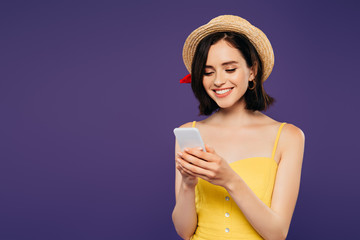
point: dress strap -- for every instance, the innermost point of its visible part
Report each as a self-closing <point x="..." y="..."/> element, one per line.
<point x="193" y="124"/>
<point x="277" y="140"/>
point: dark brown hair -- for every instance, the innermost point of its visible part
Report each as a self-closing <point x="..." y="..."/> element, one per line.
<point x="256" y="99"/>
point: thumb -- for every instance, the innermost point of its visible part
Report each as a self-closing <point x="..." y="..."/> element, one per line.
<point x="209" y="149"/>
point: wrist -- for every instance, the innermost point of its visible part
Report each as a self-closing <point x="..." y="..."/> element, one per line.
<point x="232" y="183"/>
<point x="188" y="187"/>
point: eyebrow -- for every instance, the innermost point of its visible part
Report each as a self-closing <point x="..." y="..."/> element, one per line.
<point x="223" y="64"/>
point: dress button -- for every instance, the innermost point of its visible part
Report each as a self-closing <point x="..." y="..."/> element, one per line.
<point x="227" y="229"/>
<point x="227" y="198"/>
<point x="227" y="214"/>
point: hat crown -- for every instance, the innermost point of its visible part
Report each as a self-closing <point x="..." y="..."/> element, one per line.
<point x="229" y="19"/>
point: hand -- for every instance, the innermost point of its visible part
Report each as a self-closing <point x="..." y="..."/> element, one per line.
<point x="187" y="177"/>
<point x="206" y="165"/>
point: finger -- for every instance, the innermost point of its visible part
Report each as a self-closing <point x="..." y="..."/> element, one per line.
<point x="183" y="169"/>
<point x="196" y="161"/>
<point x="204" y="177"/>
<point x="187" y="172"/>
<point x="209" y="148"/>
<point x="179" y="168"/>
<point x="196" y="169"/>
<point x="206" y="156"/>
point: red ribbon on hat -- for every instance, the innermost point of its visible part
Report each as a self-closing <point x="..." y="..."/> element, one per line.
<point x="186" y="79"/>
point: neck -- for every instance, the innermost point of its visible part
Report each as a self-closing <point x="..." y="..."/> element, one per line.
<point x="235" y="116"/>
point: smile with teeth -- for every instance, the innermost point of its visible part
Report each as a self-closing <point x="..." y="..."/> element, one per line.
<point x="223" y="91"/>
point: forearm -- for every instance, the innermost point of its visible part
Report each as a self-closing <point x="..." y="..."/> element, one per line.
<point x="263" y="219"/>
<point x="184" y="214"/>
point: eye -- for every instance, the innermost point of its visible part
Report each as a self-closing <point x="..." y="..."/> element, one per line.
<point x="230" y="70"/>
<point x="208" y="73"/>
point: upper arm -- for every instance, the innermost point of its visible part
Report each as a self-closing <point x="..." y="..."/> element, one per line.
<point x="178" y="177"/>
<point x="288" y="175"/>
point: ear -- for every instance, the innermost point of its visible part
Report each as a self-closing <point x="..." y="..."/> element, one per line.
<point x="253" y="71"/>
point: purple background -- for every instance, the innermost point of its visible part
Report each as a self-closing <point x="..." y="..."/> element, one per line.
<point x="90" y="95"/>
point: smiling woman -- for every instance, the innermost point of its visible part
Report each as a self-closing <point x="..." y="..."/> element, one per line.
<point x="245" y="185"/>
<point x="238" y="56"/>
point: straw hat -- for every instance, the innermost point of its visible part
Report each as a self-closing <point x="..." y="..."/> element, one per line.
<point x="232" y="23"/>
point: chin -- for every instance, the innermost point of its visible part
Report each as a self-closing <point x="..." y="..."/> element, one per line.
<point x="230" y="103"/>
<point x="224" y="105"/>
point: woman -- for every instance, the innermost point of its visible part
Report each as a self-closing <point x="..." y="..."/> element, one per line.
<point x="246" y="184"/>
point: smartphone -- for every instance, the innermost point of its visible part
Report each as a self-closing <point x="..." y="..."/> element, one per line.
<point x="189" y="138"/>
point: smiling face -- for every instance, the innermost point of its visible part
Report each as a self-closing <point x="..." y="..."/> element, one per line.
<point x="227" y="75"/>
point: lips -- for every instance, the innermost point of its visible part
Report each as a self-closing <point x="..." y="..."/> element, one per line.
<point x="223" y="94"/>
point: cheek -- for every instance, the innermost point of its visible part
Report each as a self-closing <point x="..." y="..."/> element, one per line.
<point x="239" y="78"/>
<point x="206" y="83"/>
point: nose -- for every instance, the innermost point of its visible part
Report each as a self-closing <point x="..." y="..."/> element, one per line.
<point x="219" y="80"/>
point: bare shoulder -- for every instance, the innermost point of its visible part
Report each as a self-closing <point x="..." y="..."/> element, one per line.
<point x="293" y="133"/>
<point x="292" y="142"/>
<point x="186" y="125"/>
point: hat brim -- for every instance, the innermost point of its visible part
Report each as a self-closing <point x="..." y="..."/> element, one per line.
<point x="232" y="23"/>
